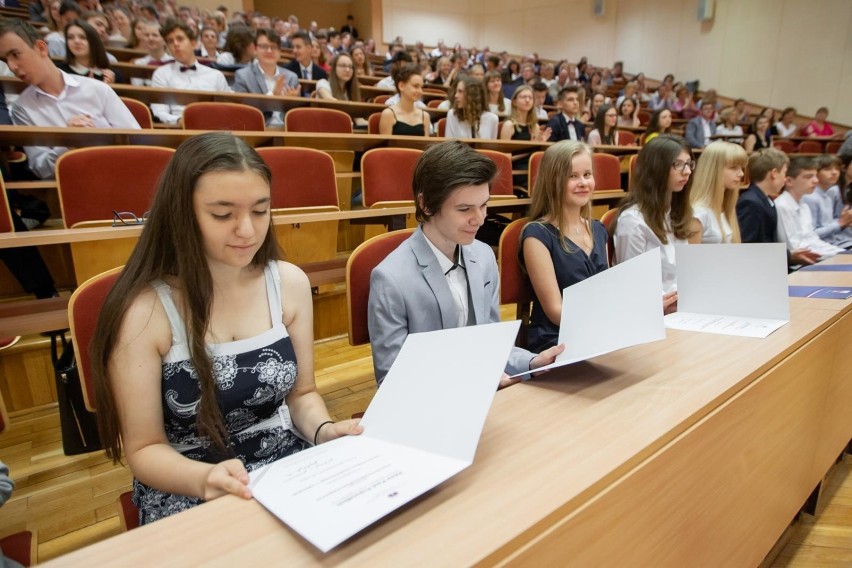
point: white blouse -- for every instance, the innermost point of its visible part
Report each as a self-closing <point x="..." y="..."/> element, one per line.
<point x="633" y="237"/>
<point x="711" y="232"/>
<point x="457" y="129"/>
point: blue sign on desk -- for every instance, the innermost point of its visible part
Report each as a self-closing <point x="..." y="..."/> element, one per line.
<point x="826" y="292"/>
<point x="828" y="268"/>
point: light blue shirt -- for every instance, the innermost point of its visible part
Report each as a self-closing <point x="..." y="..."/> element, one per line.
<point x="826" y="206"/>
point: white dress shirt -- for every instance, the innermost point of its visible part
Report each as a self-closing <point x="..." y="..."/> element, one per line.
<point x="457" y="280"/>
<point x="386" y="83"/>
<point x="826" y="206"/>
<point x="507" y="105"/>
<point x="633" y="237"/>
<point x="795" y="227"/>
<point x="169" y="76"/>
<point x="785" y="131"/>
<point x="81" y="95"/>
<point x="457" y="129"/>
<point x="139" y="81"/>
<point x="711" y="232"/>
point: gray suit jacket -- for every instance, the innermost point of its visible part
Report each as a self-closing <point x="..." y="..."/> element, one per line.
<point x="695" y="132"/>
<point x="409" y="293"/>
<point x="250" y="79"/>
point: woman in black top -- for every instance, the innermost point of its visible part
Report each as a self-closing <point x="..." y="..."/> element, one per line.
<point x="404" y="118"/>
<point x="759" y="137"/>
<point x="85" y="54"/>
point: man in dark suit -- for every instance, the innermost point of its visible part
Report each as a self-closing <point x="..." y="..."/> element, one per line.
<point x="302" y="64"/>
<point x="756" y="214"/>
<point x="263" y="76"/>
<point x="702" y="127"/>
<point x="567" y="125"/>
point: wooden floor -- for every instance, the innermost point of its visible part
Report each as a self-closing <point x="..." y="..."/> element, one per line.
<point x="71" y="501"/>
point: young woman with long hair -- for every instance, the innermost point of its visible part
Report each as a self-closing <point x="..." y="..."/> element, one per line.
<point x="206" y="338"/>
<point x="628" y="112"/>
<point x="716" y="186"/>
<point x="660" y="123"/>
<point x="404" y="118"/>
<point x="342" y="84"/>
<point x="562" y="244"/>
<point x="606" y="127"/>
<point x="497" y="103"/>
<point x="469" y="117"/>
<point x="759" y="137"/>
<point x="85" y="54"/>
<point x="363" y="67"/>
<point x="523" y="124"/>
<point x="656" y="212"/>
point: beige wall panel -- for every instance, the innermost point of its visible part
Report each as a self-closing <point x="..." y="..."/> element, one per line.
<point x="326" y="14"/>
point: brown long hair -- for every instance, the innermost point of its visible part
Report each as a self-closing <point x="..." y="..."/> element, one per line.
<point x="548" y="192"/>
<point x="171" y="246"/>
<point x="344" y="91"/>
<point x="650" y="192"/>
<point x="474" y="102"/>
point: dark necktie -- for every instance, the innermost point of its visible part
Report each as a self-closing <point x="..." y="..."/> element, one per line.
<point x="189" y="68"/>
<point x="305" y="74"/>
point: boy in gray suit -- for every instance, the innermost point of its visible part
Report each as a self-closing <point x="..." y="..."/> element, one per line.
<point x="265" y="77"/>
<point x="442" y="277"/>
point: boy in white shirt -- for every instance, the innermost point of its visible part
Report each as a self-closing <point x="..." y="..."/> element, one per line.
<point x="155" y="45"/>
<point x="832" y="219"/>
<point x="185" y="72"/>
<point x="795" y="225"/>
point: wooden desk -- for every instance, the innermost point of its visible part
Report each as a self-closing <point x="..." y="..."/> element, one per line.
<point x="150" y="95"/>
<point x="172" y="138"/>
<point x="693" y="451"/>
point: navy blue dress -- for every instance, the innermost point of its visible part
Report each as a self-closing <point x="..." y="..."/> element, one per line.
<point x="571" y="267"/>
<point x="253" y="376"/>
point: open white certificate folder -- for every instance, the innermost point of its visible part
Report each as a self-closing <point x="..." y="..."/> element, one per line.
<point x="617" y="308"/>
<point x="731" y="289"/>
<point x="421" y="428"/>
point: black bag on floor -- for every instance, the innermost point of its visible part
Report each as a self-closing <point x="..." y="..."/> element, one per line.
<point x="79" y="426"/>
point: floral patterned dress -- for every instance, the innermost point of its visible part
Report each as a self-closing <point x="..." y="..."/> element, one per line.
<point x="253" y="376"/>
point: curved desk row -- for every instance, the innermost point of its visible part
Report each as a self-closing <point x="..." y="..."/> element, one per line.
<point x="694" y="451"/>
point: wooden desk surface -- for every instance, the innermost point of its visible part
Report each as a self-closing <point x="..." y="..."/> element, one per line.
<point x="664" y="454"/>
<point x="150" y="95"/>
<point x="172" y="138"/>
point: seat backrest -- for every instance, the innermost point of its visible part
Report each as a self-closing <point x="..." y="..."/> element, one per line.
<point x="373" y="123"/>
<point x="833" y="147"/>
<point x="631" y="171"/>
<point x="6" y="225"/>
<point x="503" y="182"/>
<point x="644" y="117"/>
<point x="223" y="116"/>
<point x="360" y="265"/>
<point x="608" y="219"/>
<point x="317" y="120"/>
<point x="301" y="177"/>
<point x="626" y="138"/>
<point x="784" y="145"/>
<point x="387" y="174"/>
<point x="442" y="127"/>
<point x="535" y="163"/>
<point x="434" y="103"/>
<point x="514" y="284"/>
<point x="94" y="182"/>
<point x="380" y="99"/>
<point x="607" y="171"/>
<point x="810" y="147"/>
<point x="140" y="112"/>
<point x="84" y="307"/>
<point x="20" y="547"/>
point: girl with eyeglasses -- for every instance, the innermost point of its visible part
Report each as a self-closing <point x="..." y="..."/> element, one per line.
<point x="656" y="212"/>
<point x="606" y="127"/>
<point x="202" y="359"/>
<point x="342" y="85"/>
<point x="715" y="188"/>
